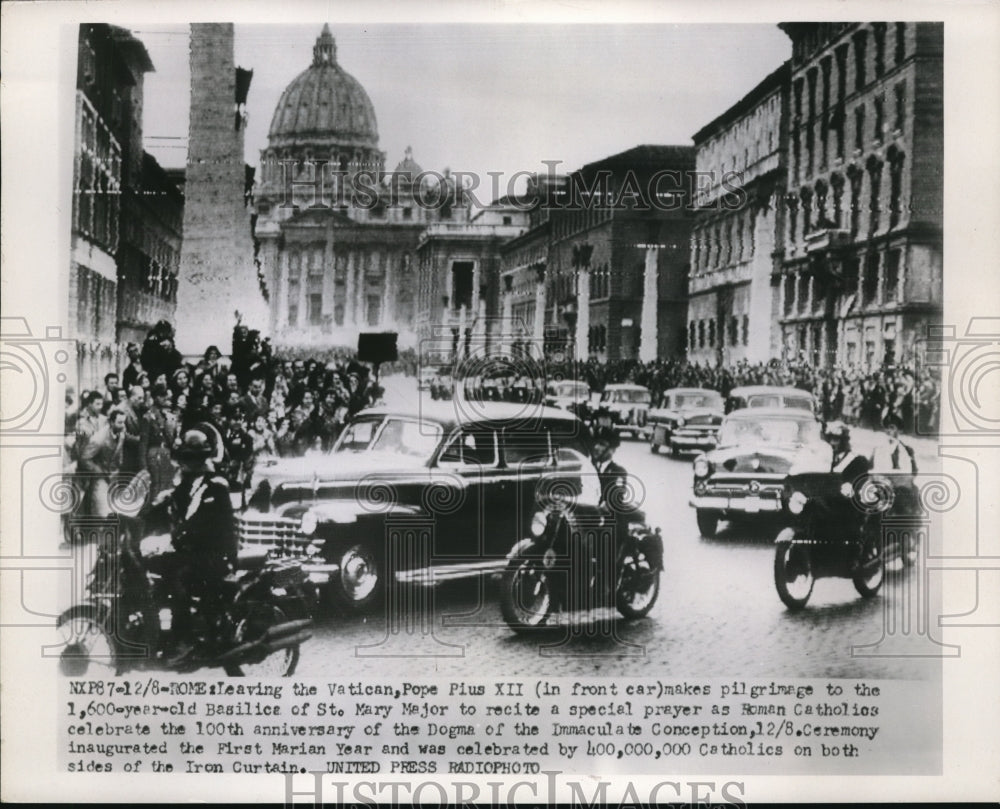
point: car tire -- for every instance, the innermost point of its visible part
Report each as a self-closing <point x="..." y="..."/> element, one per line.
<point x="708" y="522"/>
<point x="359" y="584"/>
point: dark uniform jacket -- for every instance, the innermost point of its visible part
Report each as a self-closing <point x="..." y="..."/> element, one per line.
<point x="614" y="477"/>
<point x="203" y="522"/>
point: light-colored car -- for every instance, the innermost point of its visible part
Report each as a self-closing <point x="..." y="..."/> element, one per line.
<point x="688" y="419"/>
<point x="770" y="396"/>
<point x="625" y="408"/>
<point x="757" y="449"/>
<point x="567" y="394"/>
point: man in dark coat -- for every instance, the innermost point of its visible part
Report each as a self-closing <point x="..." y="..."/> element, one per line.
<point x="203" y="536"/>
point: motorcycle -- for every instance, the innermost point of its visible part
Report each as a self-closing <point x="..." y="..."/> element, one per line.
<point x="836" y="531"/>
<point x="264" y="613"/>
<point x="569" y="563"/>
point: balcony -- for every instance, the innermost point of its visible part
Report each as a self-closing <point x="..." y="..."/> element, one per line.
<point x="826" y="239"/>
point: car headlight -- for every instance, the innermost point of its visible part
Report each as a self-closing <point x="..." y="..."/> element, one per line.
<point x="538" y="523"/>
<point x="309" y="523"/>
<point x="680" y="421"/>
<point x="701" y="467"/>
<point x="847" y="489"/>
<point x="797" y="502"/>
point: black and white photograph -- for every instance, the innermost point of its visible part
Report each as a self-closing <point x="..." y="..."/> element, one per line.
<point x="499" y="406"/>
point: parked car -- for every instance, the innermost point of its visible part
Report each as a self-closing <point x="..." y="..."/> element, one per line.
<point x="434" y="492"/>
<point x="688" y="419"/>
<point x="770" y="396"/>
<point x="757" y="449"/>
<point x="624" y="408"/>
<point x="568" y="394"/>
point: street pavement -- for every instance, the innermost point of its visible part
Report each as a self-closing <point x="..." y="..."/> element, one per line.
<point x="717" y="613"/>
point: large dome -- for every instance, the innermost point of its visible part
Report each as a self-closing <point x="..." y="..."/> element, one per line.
<point x="324" y="105"/>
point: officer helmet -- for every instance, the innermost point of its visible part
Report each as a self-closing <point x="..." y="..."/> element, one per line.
<point x="195" y="446"/>
<point x="607" y="435"/>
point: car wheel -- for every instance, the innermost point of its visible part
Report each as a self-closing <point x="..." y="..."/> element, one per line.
<point x="708" y="523"/>
<point x="870" y="572"/>
<point x="793" y="573"/>
<point x="360" y="582"/>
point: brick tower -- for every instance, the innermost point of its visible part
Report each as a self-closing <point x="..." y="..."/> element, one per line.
<point x="217" y="275"/>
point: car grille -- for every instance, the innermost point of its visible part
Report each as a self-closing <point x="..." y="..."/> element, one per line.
<point x="279" y="534"/>
<point x="742" y="488"/>
<point x="701" y="421"/>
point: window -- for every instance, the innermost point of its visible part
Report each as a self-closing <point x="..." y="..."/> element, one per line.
<point x="315" y="309"/>
<point x="895" y="187"/>
<point x="789" y="294"/>
<point x="711" y="332"/>
<point x="799" y="84"/>
<point x="900" y="115"/>
<point x="841" y="55"/>
<point x="859" y="128"/>
<point x="879" y="117"/>
<point x="746" y="329"/>
<point x="374" y="310"/>
<point x="734" y="330"/>
<point x="692" y="335"/>
<point x="701" y="334"/>
<point x="507" y="220"/>
<point x="293" y="314"/>
<point x="878" y="34"/>
<point x="869" y="289"/>
<point x="859" y="60"/>
<point x="407" y="213"/>
<point x="471" y="447"/>
<point x="892" y="276"/>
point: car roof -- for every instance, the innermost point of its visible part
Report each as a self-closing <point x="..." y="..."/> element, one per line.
<point x="452" y="413"/>
<point x="624" y="386"/>
<point x="772" y="412"/>
<point x="691" y="390"/>
<point x="749" y="390"/>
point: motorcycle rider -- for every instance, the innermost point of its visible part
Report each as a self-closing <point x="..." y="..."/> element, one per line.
<point x="203" y="536"/>
<point x="848" y="463"/>
<point x="615" y="497"/>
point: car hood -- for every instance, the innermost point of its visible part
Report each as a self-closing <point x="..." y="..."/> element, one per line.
<point x="775" y="459"/>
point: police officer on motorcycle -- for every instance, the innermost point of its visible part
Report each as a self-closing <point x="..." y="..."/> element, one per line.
<point x="203" y="536"/>
<point x="848" y="463"/>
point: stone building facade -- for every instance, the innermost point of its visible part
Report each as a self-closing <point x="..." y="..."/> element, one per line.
<point x="219" y="282"/>
<point x="337" y="235"/>
<point x="736" y="235"/>
<point x="458" y="279"/>
<point x="617" y="263"/>
<point x="126" y="221"/>
<point x="862" y="275"/>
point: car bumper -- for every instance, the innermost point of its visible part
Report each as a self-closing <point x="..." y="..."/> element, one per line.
<point x="745" y="505"/>
<point x="692" y="441"/>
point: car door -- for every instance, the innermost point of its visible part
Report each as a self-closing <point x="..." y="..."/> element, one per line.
<point x="465" y="495"/>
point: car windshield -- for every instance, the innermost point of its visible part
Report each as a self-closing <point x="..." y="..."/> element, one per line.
<point x="628" y="396"/>
<point x="768" y="431"/>
<point x="406" y="437"/>
<point x="569" y="389"/>
<point x="696" y="400"/>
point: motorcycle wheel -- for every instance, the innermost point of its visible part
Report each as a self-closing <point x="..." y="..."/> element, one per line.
<point x="359" y="583"/>
<point x="525" y="595"/>
<point x="793" y="574"/>
<point x="257" y="619"/>
<point x="635" y="601"/>
<point x="870" y="572"/>
<point x="88" y="644"/>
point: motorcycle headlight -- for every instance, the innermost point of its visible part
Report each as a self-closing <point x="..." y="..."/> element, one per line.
<point x="847" y="489"/>
<point x="797" y="502"/>
<point x="701" y="467"/>
<point x="538" y="523"/>
<point x="309" y="523"/>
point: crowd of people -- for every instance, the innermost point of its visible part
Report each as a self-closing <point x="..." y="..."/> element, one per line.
<point x="859" y="397"/>
<point x="257" y="402"/>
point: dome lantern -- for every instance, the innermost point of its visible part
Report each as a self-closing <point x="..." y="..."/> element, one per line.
<point x="325" y="49"/>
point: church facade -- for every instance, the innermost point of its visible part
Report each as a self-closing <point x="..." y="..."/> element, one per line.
<point x="336" y="235"/>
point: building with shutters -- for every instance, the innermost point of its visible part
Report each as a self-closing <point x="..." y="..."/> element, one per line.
<point x="861" y="275"/>
<point x="126" y="222"/>
<point x="735" y="242"/>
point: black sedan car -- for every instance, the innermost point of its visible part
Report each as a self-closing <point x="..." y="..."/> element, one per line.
<point x="441" y="491"/>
